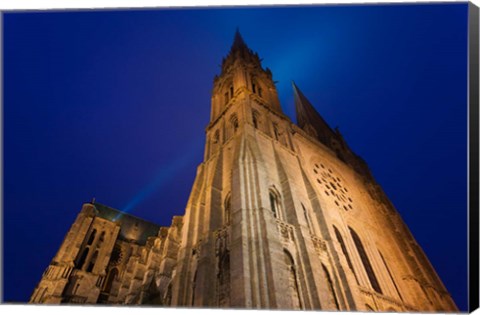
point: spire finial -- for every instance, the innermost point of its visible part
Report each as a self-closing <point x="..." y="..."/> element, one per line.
<point x="238" y="41"/>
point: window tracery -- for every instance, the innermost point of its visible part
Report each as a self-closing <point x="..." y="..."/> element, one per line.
<point x="333" y="187"/>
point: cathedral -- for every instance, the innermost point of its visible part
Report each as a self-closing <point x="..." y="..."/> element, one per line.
<point x="280" y="216"/>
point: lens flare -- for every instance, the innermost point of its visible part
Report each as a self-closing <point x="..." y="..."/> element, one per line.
<point x="163" y="175"/>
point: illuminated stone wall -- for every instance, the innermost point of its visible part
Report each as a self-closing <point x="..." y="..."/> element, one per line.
<point x="280" y="216"/>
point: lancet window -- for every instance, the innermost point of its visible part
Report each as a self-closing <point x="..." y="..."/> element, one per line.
<point x="255" y="118"/>
<point x="365" y="261"/>
<point x="91" y="237"/>
<point x="274" y="203"/>
<point x="344" y="250"/>
<point x="234" y="122"/>
<point x="82" y="259"/>
<point x="275" y="131"/>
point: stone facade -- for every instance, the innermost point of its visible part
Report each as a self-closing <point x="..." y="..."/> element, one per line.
<point x="281" y="216"/>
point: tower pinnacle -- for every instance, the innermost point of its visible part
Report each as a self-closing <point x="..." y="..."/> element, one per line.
<point x="240" y="50"/>
<point x="238" y="42"/>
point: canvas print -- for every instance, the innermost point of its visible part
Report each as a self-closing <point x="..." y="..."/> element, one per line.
<point x="292" y="158"/>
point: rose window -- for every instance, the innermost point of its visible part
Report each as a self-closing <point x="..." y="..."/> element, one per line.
<point x="333" y="187"/>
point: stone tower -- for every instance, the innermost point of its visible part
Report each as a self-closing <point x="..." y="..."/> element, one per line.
<point x="280" y="216"/>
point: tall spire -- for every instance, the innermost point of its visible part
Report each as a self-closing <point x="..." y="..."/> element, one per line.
<point x="240" y="50"/>
<point x="309" y="119"/>
<point x="238" y="42"/>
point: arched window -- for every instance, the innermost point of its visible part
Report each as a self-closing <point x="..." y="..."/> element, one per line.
<point x="227" y="209"/>
<point x="112" y="274"/>
<point x="345" y="252"/>
<point x="274" y="203"/>
<point x="82" y="259"/>
<point x="234" y="122"/>
<point x="216" y="136"/>
<point x="223" y="280"/>
<point x="365" y="261"/>
<point x="92" y="261"/>
<point x="231" y="91"/>
<point x="256" y="89"/>
<point x="255" y="118"/>
<point x="275" y="131"/>
<point x="330" y="286"/>
<point x="292" y="281"/>
<point x="92" y="237"/>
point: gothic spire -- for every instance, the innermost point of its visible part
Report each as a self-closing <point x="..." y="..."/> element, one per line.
<point x="309" y="119"/>
<point x="238" y="42"/>
<point x="240" y="50"/>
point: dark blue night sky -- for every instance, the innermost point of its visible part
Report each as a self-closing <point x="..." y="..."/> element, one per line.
<point x="114" y="104"/>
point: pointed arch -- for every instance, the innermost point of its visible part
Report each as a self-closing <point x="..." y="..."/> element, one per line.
<point x="255" y="118"/>
<point x="276" y="132"/>
<point x="365" y="261"/>
<point x="234" y="122"/>
<point x="275" y="204"/>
